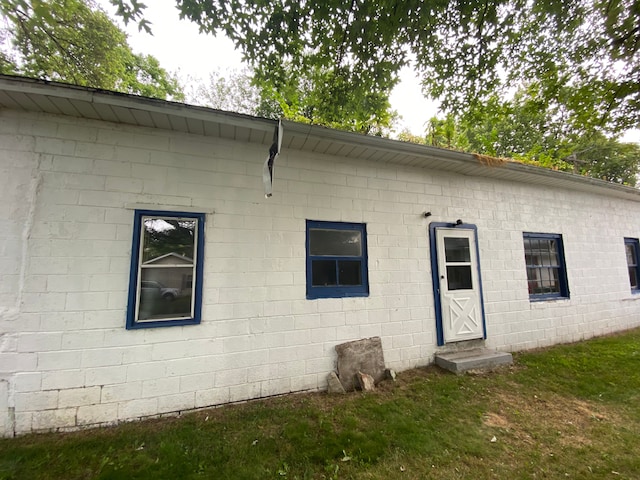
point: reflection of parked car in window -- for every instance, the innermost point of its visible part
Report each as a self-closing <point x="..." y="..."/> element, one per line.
<point x="151" y="289"/>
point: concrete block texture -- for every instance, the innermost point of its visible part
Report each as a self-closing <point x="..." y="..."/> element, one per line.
<point x="66" y="223"/>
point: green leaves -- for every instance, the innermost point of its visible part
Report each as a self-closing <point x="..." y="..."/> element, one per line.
<point x="533" y="130"/>
<point x="73" y="41"/>
<point x="467" y="52"/>
<point x="132" y="11"/>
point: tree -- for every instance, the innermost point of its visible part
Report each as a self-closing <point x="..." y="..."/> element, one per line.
<point x="466" y="51"/>
<point x="607" y="159"/>
<point x="527" y="129"/>
<point x="406" y="136"/>
<point x="442" y="132"/>
<point x="73" y="41"/>
<point x="298" y="96"/>
<point x="315" y="94"/>
<point x="233" y="92"/>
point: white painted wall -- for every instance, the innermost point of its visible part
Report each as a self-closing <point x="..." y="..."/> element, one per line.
<point x="66" y="360"/>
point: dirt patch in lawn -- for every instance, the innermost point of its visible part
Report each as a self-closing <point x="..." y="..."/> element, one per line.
<point x="538" y="419"/>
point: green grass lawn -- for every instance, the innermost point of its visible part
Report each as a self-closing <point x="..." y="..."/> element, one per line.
<point x="571" y="411"/>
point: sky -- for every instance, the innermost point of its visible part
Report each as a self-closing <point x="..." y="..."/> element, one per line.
<point x="181" y="49"/>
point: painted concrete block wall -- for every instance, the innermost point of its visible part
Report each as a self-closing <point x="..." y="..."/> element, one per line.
<point x="66" y="360"/>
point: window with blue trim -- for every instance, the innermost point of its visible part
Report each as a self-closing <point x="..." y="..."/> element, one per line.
<point x="546" y="268"/>
<point x="336" y="260"/>
<point x="632" y="248"/>
<point x="165" y="285"/>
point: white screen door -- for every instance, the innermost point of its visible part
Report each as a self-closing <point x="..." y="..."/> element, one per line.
<point x="460" y="294"/>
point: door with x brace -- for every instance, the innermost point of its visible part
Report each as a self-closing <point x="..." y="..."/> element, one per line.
<point x="459" y="284"/>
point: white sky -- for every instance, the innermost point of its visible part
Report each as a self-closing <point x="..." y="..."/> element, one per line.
<point x="181" y="49"/>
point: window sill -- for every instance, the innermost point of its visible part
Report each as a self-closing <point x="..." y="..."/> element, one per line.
<point x="335" y="294"/>
<point x="543" y="300"/>
<point x="162" y="323"/>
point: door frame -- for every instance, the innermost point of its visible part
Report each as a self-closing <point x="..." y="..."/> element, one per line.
<point x="435" y="275"/>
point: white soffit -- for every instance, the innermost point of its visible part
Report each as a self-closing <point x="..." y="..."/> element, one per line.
<point x="24" y="94"/>
<point x="18" y="93"/>
<point x="315" y="138"/>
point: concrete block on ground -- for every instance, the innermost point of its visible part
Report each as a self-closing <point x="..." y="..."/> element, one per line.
<point x="477" y="359"/>
<point x="334" y="385"/>
<point x="360" y="356"/>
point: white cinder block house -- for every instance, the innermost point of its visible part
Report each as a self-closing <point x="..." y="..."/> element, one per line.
<point x="143" y="271"/>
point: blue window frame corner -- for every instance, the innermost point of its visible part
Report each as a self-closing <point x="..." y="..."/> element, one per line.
<point x="336" y="260"/>
<point x="166" y="273"/>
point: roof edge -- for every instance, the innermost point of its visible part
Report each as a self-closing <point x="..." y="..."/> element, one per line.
<point x="28" y="85"/>
<point x="97" y="96"/>
<point x="397" y="146"/>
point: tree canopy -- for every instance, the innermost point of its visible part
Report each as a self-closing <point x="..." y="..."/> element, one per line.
<point x="526" y="129"/>
<point x="74" y="41"/>
<point x="301" y="98"/>
<point x="584" y="53"/>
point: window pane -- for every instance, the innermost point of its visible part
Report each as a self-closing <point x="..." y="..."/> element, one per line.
<point x="323" y="273"/>
<point x="337" y="243"/>
<point x="545" y="268"/>
<point x="529" y="259"/>
<point x="543" y="280"/>
<point x="533" y="280"/>
<point x="459" y="278"/>
<point x="633" y="277"/>
<point x="549" y="280"/>
<point x="350" y="273"/>
<point x="162" y="295"/>
<point x="457" y="249"/>
<point x="631" y="255"/>
<point x="168" y="241"/>
<point x="165" y="287"/>
<point x="549" y="258"/>
<point x="555" y="280"/>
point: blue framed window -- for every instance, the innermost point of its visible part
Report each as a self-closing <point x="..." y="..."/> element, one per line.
<point x="546" y="268"/>
<point x="165" y="283"/>
<point x="336" y="260"/>
<point x="632" y="248"/>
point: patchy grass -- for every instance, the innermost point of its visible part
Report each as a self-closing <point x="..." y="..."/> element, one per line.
<point x="571" y="411"/>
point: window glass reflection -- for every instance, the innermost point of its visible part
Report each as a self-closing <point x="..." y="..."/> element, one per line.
<point x="164" y="293"/>
<point x="324" y="273"/>
<point x="457" y="249"/>
<point x="168" y="238"/>
<point x="167" y="269"/>
<point x="338" y="243"/>
<point x="459" y="278"/>
<point x="631" y="255"/>
<point x="350" y="272"/>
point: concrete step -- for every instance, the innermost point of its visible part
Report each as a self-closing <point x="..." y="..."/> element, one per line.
<point x="477" y="359"/>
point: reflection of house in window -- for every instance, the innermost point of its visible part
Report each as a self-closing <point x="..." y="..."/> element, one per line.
<point x="174" y="271"/>
<point x="166" y="272"/>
